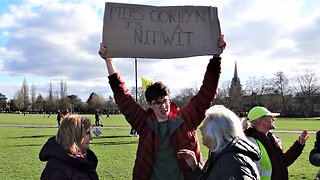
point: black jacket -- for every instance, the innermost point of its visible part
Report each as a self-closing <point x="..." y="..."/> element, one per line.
<point x="314" y="156"/>
<point x="61" y="165"/>
<point x="280" y="160"/>
<point x="235" y="161"/>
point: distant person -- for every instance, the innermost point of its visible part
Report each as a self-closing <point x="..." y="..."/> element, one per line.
<point x="274" y="161"/>
<point x="107" y="114"/>
<point x="314" y="156"/>
<point x="163" y="128"/>
<point x="59" y="117"/>
<point x="98" y="118"/>
<point x="231" y="154"/>
<point x="67" y="154"/>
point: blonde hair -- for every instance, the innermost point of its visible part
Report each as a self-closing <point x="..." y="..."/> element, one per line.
<point x="222" y="126"/>
<point x="71" y="132"/>
<point x="245" y="124"/>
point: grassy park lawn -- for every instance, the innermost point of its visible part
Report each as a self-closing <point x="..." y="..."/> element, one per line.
<point x="116" y="151"/>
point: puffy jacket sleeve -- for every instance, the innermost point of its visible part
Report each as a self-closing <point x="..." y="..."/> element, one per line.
<point x="133" y="112"/>
<point x="194" y="111"/>
<point x="314" y="157"/>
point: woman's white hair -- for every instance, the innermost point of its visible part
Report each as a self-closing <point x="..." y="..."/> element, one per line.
<point x="222" y="125"/>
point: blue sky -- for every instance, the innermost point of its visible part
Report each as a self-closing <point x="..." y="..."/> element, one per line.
<point x="45" y="41"/>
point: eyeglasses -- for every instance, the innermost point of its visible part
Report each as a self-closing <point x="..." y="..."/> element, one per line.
<point x="159" y="103"/>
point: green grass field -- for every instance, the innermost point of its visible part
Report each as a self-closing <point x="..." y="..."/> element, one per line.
<point x="116" y="151"/>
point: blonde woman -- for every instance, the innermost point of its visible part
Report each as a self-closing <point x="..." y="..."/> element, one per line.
<point x="67" y="154"/>
<point x="231" y="155"/>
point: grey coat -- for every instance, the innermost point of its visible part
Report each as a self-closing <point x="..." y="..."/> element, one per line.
<point x="235" y="161"/>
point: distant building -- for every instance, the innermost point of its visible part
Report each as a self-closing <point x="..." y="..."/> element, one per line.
<point x="235" y="93"/>
<point x="3" y="102"/>
<point x="297" y="105"/>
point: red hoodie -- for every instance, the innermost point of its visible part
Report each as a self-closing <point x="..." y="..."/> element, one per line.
<point x="182" y="123"/>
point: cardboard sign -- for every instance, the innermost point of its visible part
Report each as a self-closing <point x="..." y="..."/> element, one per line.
<point x="138" y="31"/>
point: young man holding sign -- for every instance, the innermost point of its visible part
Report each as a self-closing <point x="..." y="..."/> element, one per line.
<point x="163" y="128"/>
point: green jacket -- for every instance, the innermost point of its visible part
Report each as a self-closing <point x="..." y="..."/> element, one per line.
<point x="280" y="159"/>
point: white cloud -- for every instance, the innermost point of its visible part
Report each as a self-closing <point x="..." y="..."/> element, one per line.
<point x="50" y="40"/>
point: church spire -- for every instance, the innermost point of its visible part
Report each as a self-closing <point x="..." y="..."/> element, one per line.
<point x="235" y="93"/>
<point x="235" y="76"/>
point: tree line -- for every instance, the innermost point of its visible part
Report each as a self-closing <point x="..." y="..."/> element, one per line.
<point x="27" y="100"/>
<point x="298" y="96"/>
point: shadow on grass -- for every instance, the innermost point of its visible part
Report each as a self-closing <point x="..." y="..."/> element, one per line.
<point x="113" y="143"/>
<point x="30" y="137"/>
<point x="107" y="137"/>
<point x="27" y="145"/>
<point x="117" y="142"/>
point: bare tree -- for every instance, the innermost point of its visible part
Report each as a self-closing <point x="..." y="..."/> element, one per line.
<point x="140" y="97"/>
<point x="96" y="101"/>
<point x="185" y="95"/>
<point x="50" y="92"/>
<point x="281" y="87"/>
<point x="17" y="101"/>
<point x="21" y="98"/>
<point x="252" y="91"/>
<point x="33" y="96"/>
<point x="65" y="102"/>
<point x="25" y="94"/>
<point x="223" y="94"/>
<point x="52" y="101"/>
<point x="111" y="105"/>
<point x="75" y="102"/>
<point x="257" y="86"/>
<point x="63" y="89"/>
<point x="39" y="104"/>
<point x="306" y="86"/>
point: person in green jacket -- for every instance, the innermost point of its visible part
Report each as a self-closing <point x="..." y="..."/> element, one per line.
<point x="275" y="161"/>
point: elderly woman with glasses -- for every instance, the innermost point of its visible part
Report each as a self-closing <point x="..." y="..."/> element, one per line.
<point x="231" y="154"/>
<point x="67" y="154"/>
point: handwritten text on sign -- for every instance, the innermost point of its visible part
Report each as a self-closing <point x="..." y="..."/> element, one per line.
<point x="160" y="32"/>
